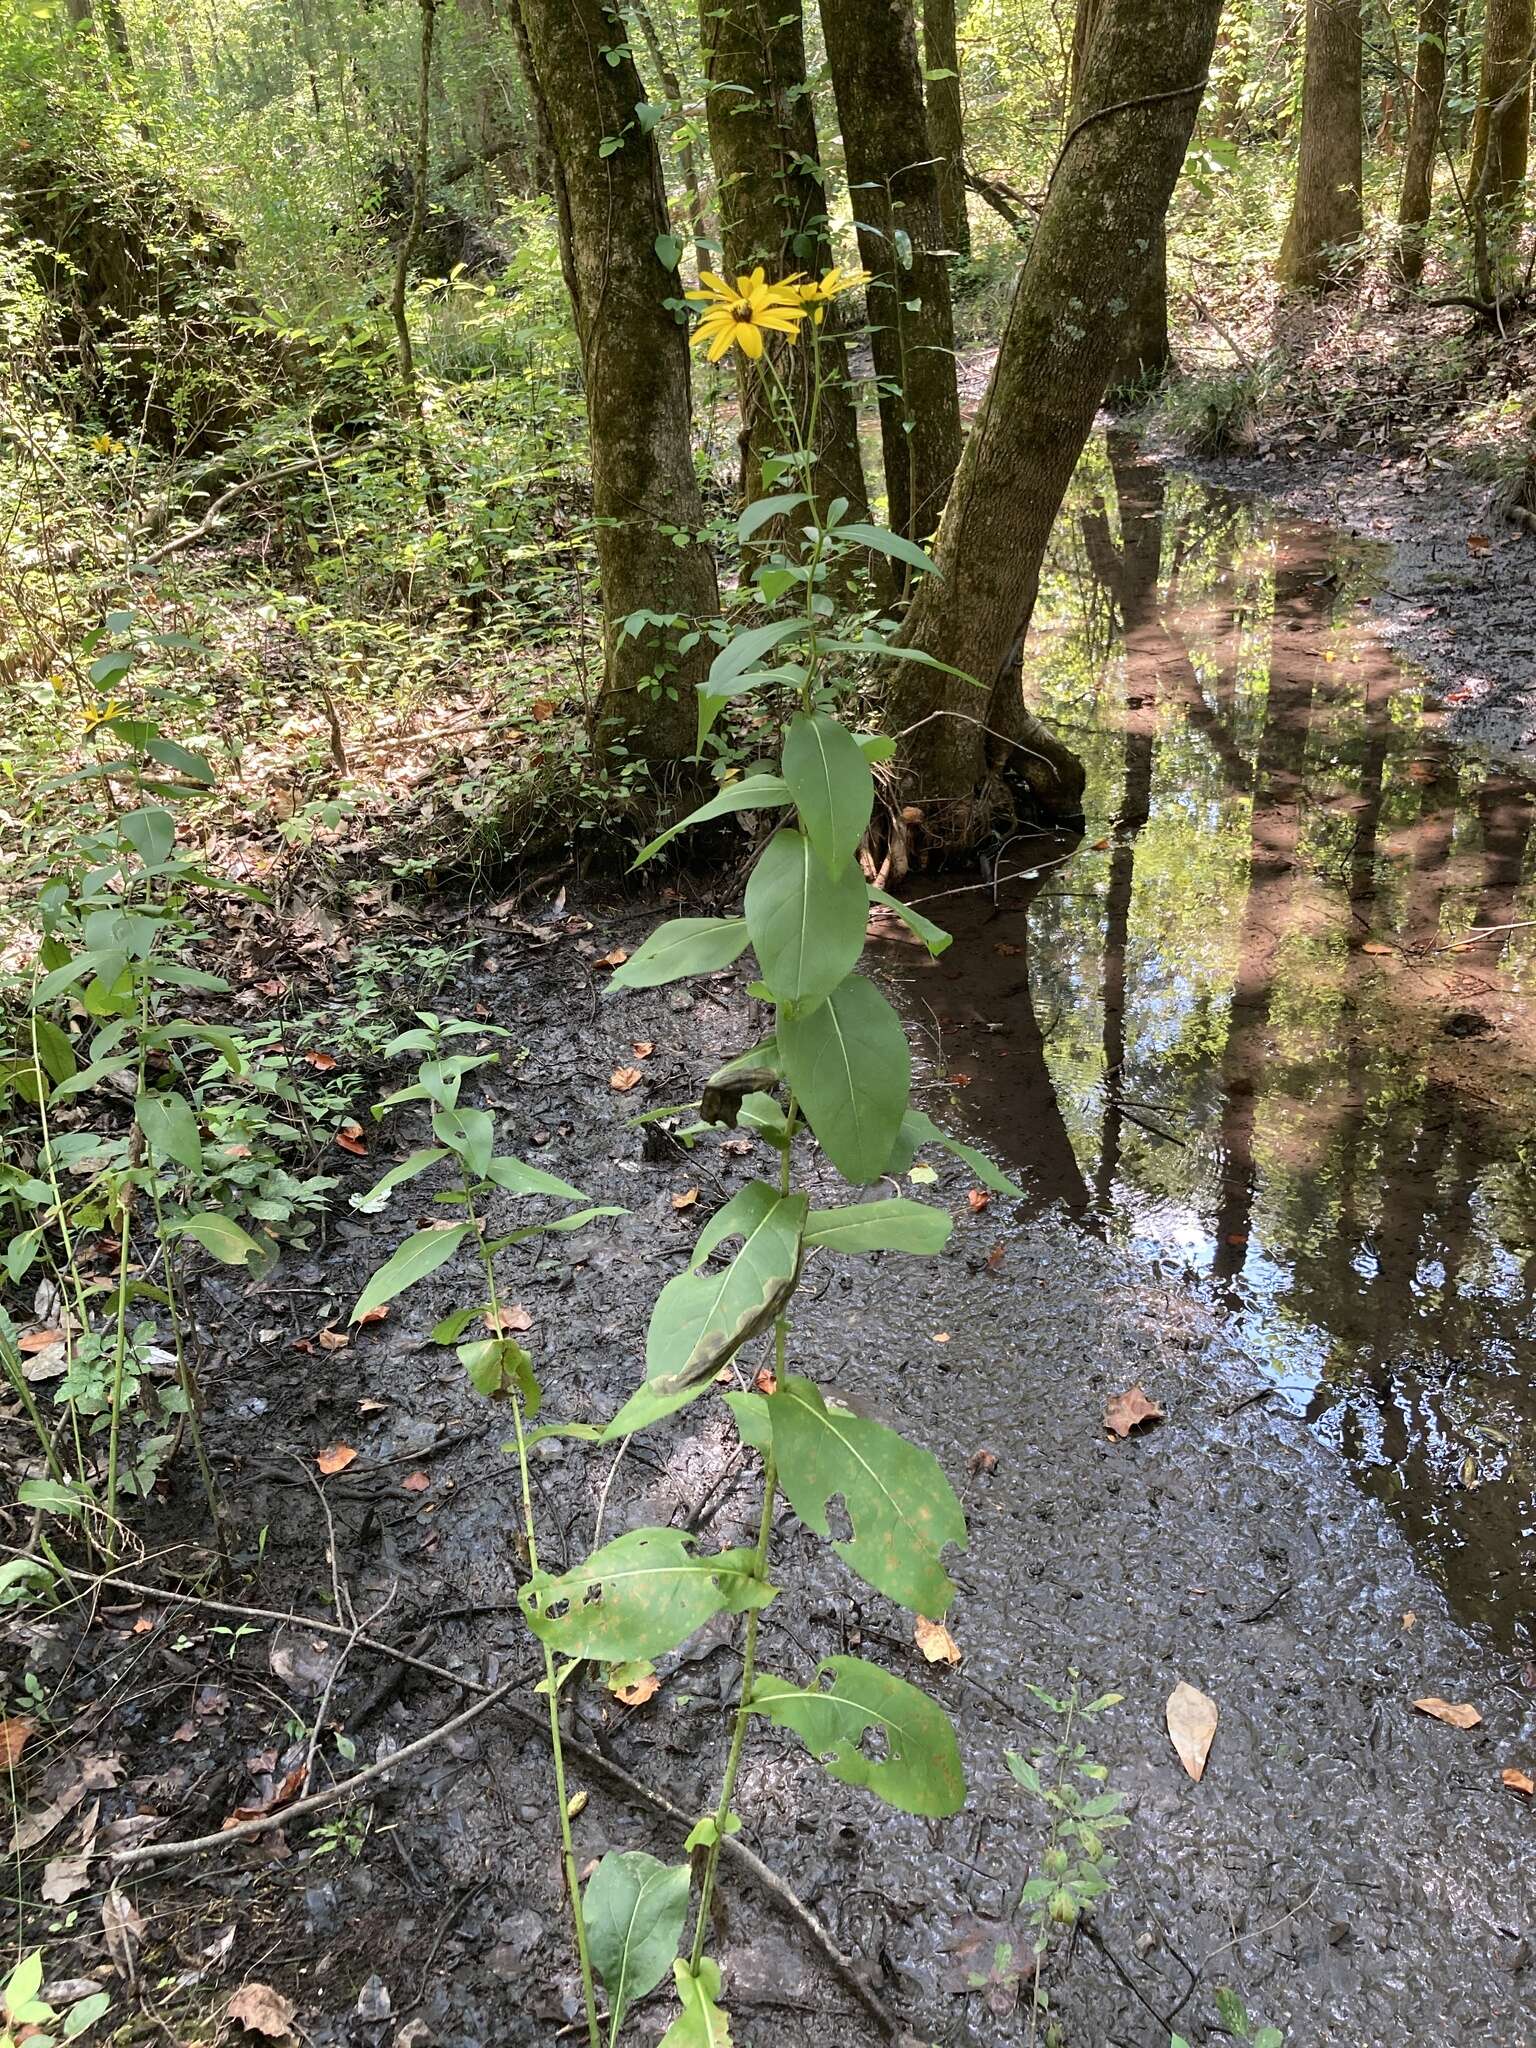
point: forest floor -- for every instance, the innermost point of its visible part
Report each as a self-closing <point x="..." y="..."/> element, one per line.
<point x="1343" y="1850"/>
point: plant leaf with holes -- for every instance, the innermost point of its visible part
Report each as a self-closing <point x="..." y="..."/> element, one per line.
<point x="903" y="1509"/>
<point x="919" y="1768"/>
<point x="640" y="1596"/>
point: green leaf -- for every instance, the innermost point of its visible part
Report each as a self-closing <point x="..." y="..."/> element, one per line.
<point x="1232" y="2013"/>
<point x="918" y="1129"/>
<point x="413" y="1261"/>
<point x="889" y="1226"/>
<point x="919" y="1770"/>
<point x="830" y="781"/>
<point x="55" y="1050"/>
<point x="634" y="1908"/>
<point x="807" y="926"/>
<point x="875" y="746"/>
<point x="933" y="936"/>
<point x="848" y="1064"/>
<point x="497" y="1368"/>
<point x="150" y="832"/>
<point x="195" y="767"/>
<point x="745" y="650"/>
<point x="701" y="2023"/>
<point x="518" y="1178"/>
<point x="761" y="510"/>
<point x="903" y="1510"/>
<point x="884" y="542"/>
<point x="885" y="650"/>
<point x="752" y="1424"/>
<point x="702" y="1318"/>
<point x="170" y="1129"/>
<point x="684" y="945"/>
<point x="470" y="1134"/>
<point x="456" y="1322"/>
<point x="751" y="793"/>
<point x="669" y="251"/>
<point x="222" y="1236"/>
<point x="640" y="1596"/>
<point x="379" y="1194"/>
<point x="1266" y="2037"/>
<point x="1025" y="1772"/>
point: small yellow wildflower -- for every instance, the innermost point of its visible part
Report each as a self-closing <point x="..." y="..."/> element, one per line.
<point x="817" y="296"/>
<point x="741" y="316"/>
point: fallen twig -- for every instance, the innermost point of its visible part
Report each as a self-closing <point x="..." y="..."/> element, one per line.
<point x="734" y="1850"/>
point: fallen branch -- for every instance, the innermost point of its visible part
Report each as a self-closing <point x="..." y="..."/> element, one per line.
<point x="214" y="514"/>
<point x="735" y="1851"/>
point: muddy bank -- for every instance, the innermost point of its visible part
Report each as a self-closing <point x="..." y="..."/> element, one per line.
<point x="1341" y="1854"/>
<point x="1457" y="593"/>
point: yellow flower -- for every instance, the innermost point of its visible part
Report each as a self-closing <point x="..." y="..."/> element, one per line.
<point x="742" y="316"/>
<point x="834" y="282"/>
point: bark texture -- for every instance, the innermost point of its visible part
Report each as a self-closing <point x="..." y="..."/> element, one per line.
<point x="1501" y="129"/>
<point x="1144" y="351"/>
<point x="1141" y="87"/>
<point x="1327" y="211"/>
<point x="1424" y="107"/>
<point x="894" y="186"/>
<point x="635" y="368"/>
<point x="773" y="211"/>
<point x="946" y="120"/>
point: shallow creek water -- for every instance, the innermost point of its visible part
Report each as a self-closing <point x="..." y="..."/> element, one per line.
<point x="1270" y="1025"/>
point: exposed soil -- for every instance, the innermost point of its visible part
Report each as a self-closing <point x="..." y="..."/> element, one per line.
<point x="1354" y="1869"/>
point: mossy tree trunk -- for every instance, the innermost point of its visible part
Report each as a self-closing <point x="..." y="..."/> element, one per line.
<point x="1327" y="212"/>
<point x="1140" y="89"/>
<point x="1144" y="351"/>
<point x="773" y="211"/>
<point x="946" y="119"/>
<point x="1501" y="129"/>
<point x="1428" y="97"/>
<point x="894" y="188"/>
<point x="634" y="353"/>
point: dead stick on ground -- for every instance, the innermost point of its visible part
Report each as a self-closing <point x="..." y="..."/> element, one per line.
<point x="593" y="1760"/>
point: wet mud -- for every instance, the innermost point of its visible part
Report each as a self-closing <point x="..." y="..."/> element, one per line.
<point x="1268" y="1180"/>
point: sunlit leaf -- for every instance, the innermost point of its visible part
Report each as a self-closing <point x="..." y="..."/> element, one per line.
<point x="752" y="793"/>
<point x="919" y="1767"/>
<point x="640" y="1596"/>
<point x="685" y="945"/>
<point x="890" y="1226"/>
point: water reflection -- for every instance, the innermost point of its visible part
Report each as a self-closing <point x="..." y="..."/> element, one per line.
<point x="1273" y="1026"/>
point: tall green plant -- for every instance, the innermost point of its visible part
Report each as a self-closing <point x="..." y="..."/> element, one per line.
<point x="835" y="1071"/>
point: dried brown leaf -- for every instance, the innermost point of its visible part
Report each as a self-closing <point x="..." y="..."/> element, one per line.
<point x="1191" y="1716"/>
<point x="625" y="1078"/>
<point x="15" y="1732"/>
<point x="335" y="1458"/>
<point x="1519" y="1781"/>
<point x="261" y="2010"/>
<point x="1130" y="1410"/>
<point x="935" y="1641"/>
<point x="1453" y="1714"/>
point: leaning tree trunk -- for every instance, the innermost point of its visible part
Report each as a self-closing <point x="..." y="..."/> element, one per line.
<point x="946" y="121"/>
<point x="1423" y="137"/>
<point x="634" y="357"/>
<point x="1327" y="212"/>
<point x="773" y="211"/>
<point x="894" y="186"/>
<point x="1144" y="351"/>
<point x="1141" y="88"/>
<point x="1501" y="129"/>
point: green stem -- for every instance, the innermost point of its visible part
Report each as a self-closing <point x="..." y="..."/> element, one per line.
<point x="15" y="1372"/>
<point x="120" y="1345"/>
<point x="551" y="1688"/>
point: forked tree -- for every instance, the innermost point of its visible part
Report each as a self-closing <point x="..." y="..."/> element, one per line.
<point x="611" y="207"/>
<point x="1141" y="87"/>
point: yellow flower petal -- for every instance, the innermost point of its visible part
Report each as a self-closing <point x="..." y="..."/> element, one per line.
<point x="721" y="342"/>
<point x="749" y="339"/>
<point x="716" y="284"/>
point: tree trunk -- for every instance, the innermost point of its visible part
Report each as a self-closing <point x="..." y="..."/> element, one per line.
<point x="1141" y="89"/>
<point x="1423" y="137"/>
<point x="635" y="368"/>
<point x="1144" y="351"/>
<point x="1327" y="212"/>
<point x="894" y="187"/>
<point x="671" y="85"/>
<point x="410" y="395"/>
<point x="946" y="122"/>
<point x="1501" y="129"/>
<point x="773" y="211"/>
